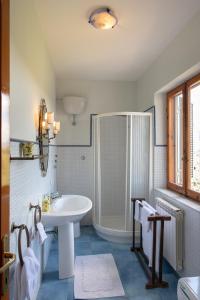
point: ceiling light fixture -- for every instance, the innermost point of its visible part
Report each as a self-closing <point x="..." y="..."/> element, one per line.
<point x="103" y="18"/>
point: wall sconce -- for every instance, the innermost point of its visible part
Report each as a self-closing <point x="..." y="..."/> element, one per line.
<point x="74" y="106"/>
<point x="47" y="123"/>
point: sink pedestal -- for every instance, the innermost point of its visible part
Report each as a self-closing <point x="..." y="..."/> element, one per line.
<point x="66" y="250"/>
<point x="64" y="212"/>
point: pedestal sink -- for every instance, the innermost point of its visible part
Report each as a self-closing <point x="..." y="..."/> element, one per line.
<point x="64" y="212"/>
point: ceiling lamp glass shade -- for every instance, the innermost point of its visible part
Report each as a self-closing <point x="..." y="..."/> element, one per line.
<point x="103" y="18"/>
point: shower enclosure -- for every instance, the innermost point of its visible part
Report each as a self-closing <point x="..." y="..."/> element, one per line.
<point x="122" y="168"/>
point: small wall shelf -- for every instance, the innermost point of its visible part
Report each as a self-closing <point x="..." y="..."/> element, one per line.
<point x="25" y="158"/>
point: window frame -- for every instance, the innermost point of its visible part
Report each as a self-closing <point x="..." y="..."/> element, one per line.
<point x="194" y="81"/>
<point x="170" y="138"/>
<point x="185" y="90"/>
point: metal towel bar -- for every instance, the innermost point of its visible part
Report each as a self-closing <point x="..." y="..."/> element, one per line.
<point x="37" y="210"/>
<point x="21" y="228"/>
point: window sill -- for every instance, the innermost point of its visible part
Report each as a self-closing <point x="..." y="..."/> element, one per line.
<point x="177" y="198"/>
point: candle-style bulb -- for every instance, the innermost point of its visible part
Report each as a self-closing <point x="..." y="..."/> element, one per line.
<point x="57" y="126"/>
<point x="50" y="117"/>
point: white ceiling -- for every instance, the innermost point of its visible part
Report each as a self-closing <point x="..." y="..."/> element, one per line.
<point x="79" y="51"/>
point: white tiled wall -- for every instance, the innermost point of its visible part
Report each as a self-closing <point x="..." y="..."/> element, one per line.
<point x="160" y="167"/>
<point x="27" y="185"/>
<point x="75" y="172"/>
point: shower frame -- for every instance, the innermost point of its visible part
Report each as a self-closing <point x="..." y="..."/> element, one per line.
<point x="120" y="235"/>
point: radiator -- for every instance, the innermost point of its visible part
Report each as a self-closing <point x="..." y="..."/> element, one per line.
<point x="173" y="235"/>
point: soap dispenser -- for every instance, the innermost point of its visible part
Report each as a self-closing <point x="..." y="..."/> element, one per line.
<point x="46" y="203"/>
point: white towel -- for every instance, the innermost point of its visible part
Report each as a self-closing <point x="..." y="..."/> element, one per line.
<point x="138" y="209"/>
<point x="26" y="277"/>
<point x="17" y="282"/>
<point x="149" y="206"/>
<point x="147" y="233"/>
<point x="29" y="275"/>
<point x="41" y="233"/>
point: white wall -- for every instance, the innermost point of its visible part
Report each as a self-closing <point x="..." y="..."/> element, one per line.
<point x="178" y="58"/>
<point x="179" y="61"/>
<point x="101" y="96"/>
<point x="31" y="74"/>
<point x="31" y="78"/>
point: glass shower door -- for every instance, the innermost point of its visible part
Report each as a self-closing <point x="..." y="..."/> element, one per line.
<point x="113" y="172"/>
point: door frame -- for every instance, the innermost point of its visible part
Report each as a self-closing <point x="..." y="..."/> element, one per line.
<point x="4" y="134"/>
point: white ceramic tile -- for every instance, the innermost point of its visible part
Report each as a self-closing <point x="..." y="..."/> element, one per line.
<point x="75" y="172"/>
<point x="160" y="167"/>
<point x="27" y="185"/>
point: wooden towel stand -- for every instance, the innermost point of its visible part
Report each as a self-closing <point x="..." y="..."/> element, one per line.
<point x="155" y="280"/>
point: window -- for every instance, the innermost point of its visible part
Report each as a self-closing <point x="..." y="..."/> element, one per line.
<point x="193" y="141"/>
<point x="183" y="118"/>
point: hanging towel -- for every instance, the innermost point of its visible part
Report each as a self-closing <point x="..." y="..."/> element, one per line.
<point x="138" y="209"/>
<point x="29" y="275"/>
<point x="17" y="282"/>
<point x="41" y="233"/>
<point x="26" y="277"/>
<point x="149" y="206"/>
<point x="147" y="232"/>
<point x="154" y="211"/>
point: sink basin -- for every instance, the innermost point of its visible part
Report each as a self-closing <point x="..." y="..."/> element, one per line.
<point x="64" y="212"/>
<point x="68" y="208"/>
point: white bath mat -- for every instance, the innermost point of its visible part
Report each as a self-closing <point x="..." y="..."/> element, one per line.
<point x="96" y="276"/>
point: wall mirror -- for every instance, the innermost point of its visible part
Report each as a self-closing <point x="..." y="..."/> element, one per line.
<point x="43" y="139"/>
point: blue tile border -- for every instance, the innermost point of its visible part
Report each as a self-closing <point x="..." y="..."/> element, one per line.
<point x="91" y="131"/>
<point x="51" y="145"/>
<point x="150" y="109"/>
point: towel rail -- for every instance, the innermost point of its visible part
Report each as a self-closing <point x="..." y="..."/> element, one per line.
<point x="21" y="228"/>
<point x="133" y="241"/>
<point x="38" y="218"/>
<point x="154" y="280"/>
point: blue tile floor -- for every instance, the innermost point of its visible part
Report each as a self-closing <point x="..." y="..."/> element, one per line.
<point x="131" y="273"/>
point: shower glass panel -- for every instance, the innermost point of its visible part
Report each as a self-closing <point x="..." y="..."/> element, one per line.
<point x="140" y="138"/>
<point x="113" y="145"/>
